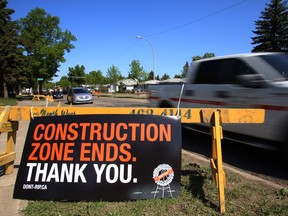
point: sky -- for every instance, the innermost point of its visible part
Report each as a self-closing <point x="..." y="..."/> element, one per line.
<point x="172" y="31"/>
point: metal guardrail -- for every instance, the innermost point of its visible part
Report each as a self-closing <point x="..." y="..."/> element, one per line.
<point x="10" y="117"/>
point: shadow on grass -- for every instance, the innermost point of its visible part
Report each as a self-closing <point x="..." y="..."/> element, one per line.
<point x="196" y="184"/>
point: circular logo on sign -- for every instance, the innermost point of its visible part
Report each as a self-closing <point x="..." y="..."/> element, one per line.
<point x="163" y="175"/>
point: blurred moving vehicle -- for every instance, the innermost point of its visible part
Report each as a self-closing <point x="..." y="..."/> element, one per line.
<point x="57" y="95"/>
<point x="138" y="90"/>
<point x="79" y="95"/>
<point x="254" y="80"/>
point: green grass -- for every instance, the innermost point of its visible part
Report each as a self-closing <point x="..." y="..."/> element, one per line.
<point x="199" y="196"/>
<point x="8" y="101"/>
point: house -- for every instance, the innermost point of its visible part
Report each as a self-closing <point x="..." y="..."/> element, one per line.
<point x="125" y="85"/>
<point x="173" y="80"/>
<point x="130" y="85"/>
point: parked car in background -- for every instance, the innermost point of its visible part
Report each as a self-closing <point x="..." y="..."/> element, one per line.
<point x="79" y="95"/>
<point x="57" y="95"/>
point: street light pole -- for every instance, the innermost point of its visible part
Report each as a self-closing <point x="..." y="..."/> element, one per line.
<point x="141" y="37"/>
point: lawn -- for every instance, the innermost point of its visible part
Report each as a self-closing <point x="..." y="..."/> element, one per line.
<point x="199" y="196"/>
<point x="8" y="101"/>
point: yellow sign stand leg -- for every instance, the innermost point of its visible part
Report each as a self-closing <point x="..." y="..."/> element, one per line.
<point x="218" y="174"/>
<point x="10" y="147"/>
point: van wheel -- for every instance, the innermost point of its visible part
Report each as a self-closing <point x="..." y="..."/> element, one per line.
<point x="165" y="104"/>
<point x="284" y="151"/>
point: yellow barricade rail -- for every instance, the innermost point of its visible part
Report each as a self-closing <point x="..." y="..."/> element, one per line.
<point x="10" y="117"/>
<point x="45" y="97"/>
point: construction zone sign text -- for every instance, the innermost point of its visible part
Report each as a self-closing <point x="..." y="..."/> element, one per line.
<point x="98" y="157"/>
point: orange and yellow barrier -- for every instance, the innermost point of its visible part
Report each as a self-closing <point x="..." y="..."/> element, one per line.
<point x="98" y="94"/>
<point x="45" y="97"/>
<point x="10" y="117"/>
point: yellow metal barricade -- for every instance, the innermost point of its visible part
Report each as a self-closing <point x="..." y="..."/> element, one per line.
<point x="48" y="98"/>
<point x="10" y="116"/>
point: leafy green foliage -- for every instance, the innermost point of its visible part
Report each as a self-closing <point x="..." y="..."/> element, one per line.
<point x="165" y="76"/>
<point x="64" y="83"/>
<point x="185" y="70"/>
<point x="113" y="74"/>
<point x="12" y="61"/>
<point x="137" y="71"/>
<point x="272" y="28"/>
<point x="206" y="55"/>
<point x="96" y="77"/>
<point x="44" y="43"/>
<point x="151" y="76"/>
<point x="76" y="75"/>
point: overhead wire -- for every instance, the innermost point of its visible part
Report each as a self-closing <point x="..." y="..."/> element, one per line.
<point x="124" y="51"/>
<point x="198" y="19"/>
<point x="178" y="27"/>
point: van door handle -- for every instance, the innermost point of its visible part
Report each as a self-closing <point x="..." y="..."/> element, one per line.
<point x="221" y="94"/>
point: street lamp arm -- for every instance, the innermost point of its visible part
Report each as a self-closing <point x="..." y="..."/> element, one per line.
<point x="141" y="37"/>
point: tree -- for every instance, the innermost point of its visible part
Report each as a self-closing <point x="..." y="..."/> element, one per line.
<point x="76" y="75"/>
<point x="44" y="43"/>
<point x="96" y="77"/>
<point x="272" y="28"/>
<point x="151" y="75"/>
<point x="12" y="61"/>
<point x="113" y="74"/>
<point x="177" y="76"/>
<point x="206" y="55"/>
<point x="137" y="71"/>
<point x="64" y="83"/>
<point x="165" y="76"/>
<point x="185" y="70"/>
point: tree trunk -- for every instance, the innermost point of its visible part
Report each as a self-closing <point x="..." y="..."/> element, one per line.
<point x="5" y="90"/>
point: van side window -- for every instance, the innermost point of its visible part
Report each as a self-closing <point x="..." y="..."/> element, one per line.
<point x="226" y="72"/>
<point x="221" y="71"/>
<point x="215" y="72"/>
<point x="240" y="68"/>
<point x="207" y="72"/>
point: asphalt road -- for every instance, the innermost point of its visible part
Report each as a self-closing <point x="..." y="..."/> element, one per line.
<point x="97" y="102"/>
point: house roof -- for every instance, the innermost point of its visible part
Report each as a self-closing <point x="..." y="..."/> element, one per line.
<point x="173" y="80"/>
<point x="149" y="82"/>
<point x="127" y="82"/>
